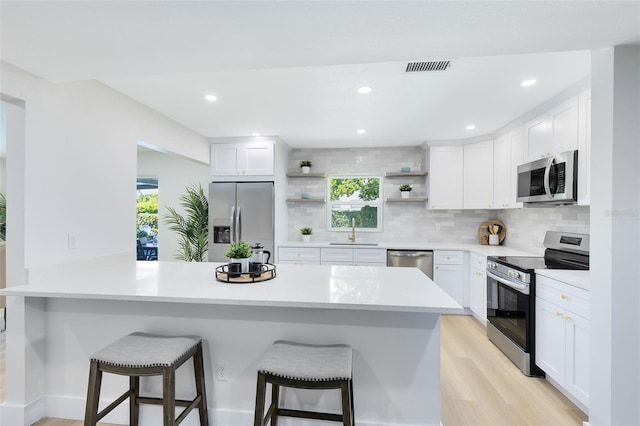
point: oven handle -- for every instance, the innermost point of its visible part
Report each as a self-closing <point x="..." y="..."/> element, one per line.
<point x="519" y="287"/>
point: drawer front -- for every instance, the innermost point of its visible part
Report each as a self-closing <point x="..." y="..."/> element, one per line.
<point x="328" y="255"/>
<point x="299" y="254"/>
<point x="299" y="262"/>
<point x="361" y="256"/>
<point x="563" y="295"/>
<point x="478" y="261"/>
<point x="445" y="257"/>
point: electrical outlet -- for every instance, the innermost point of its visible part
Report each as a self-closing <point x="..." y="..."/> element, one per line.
<point x="438" y="226"/>
<point x="72" y="241"/>
<point x="222" y="373"/>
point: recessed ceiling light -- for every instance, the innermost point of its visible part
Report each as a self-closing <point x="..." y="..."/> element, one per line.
<point x="470" y="127"/>
<point x="255" y="134"/>
<point x="528" y="83"/>
<point x="360" y="131"/>
<point x="364" y="90"/>
<point x="211" y="98"/>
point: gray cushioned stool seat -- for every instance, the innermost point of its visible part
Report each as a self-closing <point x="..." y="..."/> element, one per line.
<point x="146" y="350"/>
<point x="142" y="354"/>
<point x="307" y="362"/>
<point x="297" y="365"/>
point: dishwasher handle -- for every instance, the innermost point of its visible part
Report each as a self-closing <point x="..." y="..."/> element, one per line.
<point x="410" y="253"/>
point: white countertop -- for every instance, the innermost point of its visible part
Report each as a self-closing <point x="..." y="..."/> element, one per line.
<point x="578" y="279"/>
<point x="484" y="250"/>
<point x="307" y="286"/>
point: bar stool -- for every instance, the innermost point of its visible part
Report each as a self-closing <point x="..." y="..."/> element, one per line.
<point x="296" y="365"/>
<point x="141" y="354"/>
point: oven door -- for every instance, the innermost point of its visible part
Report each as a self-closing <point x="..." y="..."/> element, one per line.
<point x="508" y="309"/>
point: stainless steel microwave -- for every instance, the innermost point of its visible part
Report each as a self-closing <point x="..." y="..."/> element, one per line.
<point x="550" y="180"/>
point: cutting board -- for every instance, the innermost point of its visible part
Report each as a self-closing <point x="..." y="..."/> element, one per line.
<point x="483" y="231"/>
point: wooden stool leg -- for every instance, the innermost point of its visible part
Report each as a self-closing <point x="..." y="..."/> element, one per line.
<point x="275" y="402"/>
<point x="260" y="394"/>
<point x="198" y="366"/>
<point x="169" y="396"/>
<point x="134" y="407"/>
<point x="93" y="395"/>
<point x="346" y="403"/>
<point x="353" y="409"/>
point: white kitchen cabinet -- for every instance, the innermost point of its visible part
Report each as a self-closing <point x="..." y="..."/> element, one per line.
<point x="449" y="274"/>
<point x="562" y="336"/>
<point x="446" y="177"/>
<point x="349" y="256"/>
<point x="478" y="287"/>
<point x="242" y="159"/>
<point x="299" y="255"/>
<point x="553" y="132"/>
<point x="507" y="156"/>
<point x="478" y="175"/>
<point x="584" y="148"/>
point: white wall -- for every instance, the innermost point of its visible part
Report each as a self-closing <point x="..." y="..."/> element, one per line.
<point x="615" y="237"/>
<point x="174" y="175"/>
<point x="80" y="164"/>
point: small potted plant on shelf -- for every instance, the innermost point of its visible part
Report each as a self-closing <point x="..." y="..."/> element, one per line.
<point x="306" y="234"/>
<point x="305" y="166"/>
<point x="239" y="252"/>
<point x="405" y="190"/>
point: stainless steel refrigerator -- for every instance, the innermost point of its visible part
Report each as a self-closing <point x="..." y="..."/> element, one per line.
<point x="240" y="211"/>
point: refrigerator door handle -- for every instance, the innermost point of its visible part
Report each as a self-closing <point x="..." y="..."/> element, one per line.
<point x="232" y="220"/>
<point x="239" y="224"/>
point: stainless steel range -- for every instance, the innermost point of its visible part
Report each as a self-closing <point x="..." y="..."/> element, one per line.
<point x="511" y="294"/>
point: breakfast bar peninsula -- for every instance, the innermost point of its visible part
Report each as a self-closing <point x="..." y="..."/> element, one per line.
<point x="390" y="316"/>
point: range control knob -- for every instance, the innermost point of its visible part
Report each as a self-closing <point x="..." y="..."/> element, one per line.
<point x="492" y="265"/>
<point x="514" y="274"/>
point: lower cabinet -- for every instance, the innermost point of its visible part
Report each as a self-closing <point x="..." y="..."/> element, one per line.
<point x="449" y="274"/>
<point x="478" y="287"/>
<point x="562" y="336"/>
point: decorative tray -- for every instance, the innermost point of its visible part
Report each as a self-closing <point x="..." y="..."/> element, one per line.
<point x="223" y="275"/>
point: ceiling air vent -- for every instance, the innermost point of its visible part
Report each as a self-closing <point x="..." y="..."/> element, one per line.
<point x="427" y="66"/>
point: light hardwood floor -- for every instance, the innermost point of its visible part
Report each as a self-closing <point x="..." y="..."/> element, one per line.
<point x="480" y="386"/>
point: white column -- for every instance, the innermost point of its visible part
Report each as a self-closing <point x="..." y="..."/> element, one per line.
<point x="615" y="237"/>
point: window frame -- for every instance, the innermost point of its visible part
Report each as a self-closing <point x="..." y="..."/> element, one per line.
<point x="379" y="203"/>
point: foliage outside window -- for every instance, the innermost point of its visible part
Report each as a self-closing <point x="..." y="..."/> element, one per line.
<point x="147" y="211"/>
<point x="356" y="198"/>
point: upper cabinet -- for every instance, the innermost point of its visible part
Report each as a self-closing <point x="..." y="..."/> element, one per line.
<point x="552" y="132"/>
<point x="242" y="159"/>
<point x="446" y="177"/>
<point x="507" y="156"/>
<point x="478" y="175"/>
<point x="584" y="148"/>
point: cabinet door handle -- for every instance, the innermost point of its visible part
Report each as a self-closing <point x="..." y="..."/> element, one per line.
<point x="567" y="317"/>
<point x="559" y="314"/>
<point x="564" y="297"/>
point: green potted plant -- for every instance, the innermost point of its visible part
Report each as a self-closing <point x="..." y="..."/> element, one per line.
<point x="239" y="252"/>
<point x="405" y="190"/>
<point x="193" y="227"/>
<point x="142" y="235"/>
<point x="306" y="234"/>
<point x="305" y="166"/>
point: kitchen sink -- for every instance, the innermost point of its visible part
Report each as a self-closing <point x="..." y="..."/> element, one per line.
<point x="353" y="244"/>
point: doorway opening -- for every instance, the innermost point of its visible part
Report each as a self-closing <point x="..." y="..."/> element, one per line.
<point x="147" y="219"/>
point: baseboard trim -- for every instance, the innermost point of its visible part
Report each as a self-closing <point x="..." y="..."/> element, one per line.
<point x="11" y="414"/>
<point x="66" y="407"/>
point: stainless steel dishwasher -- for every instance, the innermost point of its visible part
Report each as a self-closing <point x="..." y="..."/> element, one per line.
<point x="421" y="259"/>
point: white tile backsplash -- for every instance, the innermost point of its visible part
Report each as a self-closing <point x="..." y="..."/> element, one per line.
<point x="412" y="222"/>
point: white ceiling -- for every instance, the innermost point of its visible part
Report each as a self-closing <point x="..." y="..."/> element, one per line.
<point x="292" y="68"/>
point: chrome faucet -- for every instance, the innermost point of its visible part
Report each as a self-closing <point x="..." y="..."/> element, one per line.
<point x="352" y="237"/>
